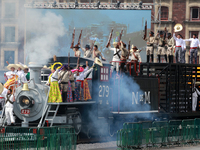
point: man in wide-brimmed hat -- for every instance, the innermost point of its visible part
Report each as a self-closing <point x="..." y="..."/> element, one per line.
<point x="26" y="71"/>
<point x="20" y="73"/>
<point x="9" y="100"/>
<point x="124" y="55"/>
<point x="87" y="51"/>
<point x="77" y="52"/>
<point x="170" y="45"/>
<point x="135" y="57"/>
<point x="11" y="76"/>
<point x="149" y="50"/>
<point x="161" y="45"/>
<point x="116" y="56"/>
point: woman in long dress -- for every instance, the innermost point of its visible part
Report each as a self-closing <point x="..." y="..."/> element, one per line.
<point x="54" y="93"/>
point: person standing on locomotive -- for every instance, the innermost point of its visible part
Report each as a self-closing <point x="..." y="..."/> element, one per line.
<point x="135" y="56"/>
<point x="26" y="71"/>
<point x="9" y="100"/>
<point x="149" y="50"/>
<point x="161" y="45"/>
<point x="87" y="51"/>
<point x="77" y="52"/>
<point x="116" y="57"/>
<point x="170" y="45"/>
<point x="193" y="47"/>
<point x="195" y="93"/>
<point x="180" y="48"/>
<point x="97" y="53"/>
<point x="54" y="93"/>
<point x="124" y="55"/>
<point x="11" y="76"/>
<point x="71" y="79"/>
<point x="63" y="77"/>
<point x="20" y="73"/>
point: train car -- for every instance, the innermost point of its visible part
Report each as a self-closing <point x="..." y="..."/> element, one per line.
<point x="156" y="91"/>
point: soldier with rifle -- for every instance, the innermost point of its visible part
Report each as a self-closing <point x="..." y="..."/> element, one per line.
<point x="150" y="41"/>
<point x="87" y="50"/>
<point x="124" y="55"/>
<point x="77" y="52"/>
<point x="161" y="45"/>
<point x="170" y="45"/>
<point x="97" y="53"/>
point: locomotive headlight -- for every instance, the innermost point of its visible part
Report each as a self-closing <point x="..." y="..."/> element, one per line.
<point x="26" y="101"/>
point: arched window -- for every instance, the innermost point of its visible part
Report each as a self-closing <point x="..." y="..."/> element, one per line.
<point x="164" y="13"/>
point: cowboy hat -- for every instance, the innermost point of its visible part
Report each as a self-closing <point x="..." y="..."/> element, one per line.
<point x="26" y="67"/>
<point x="11" y="66"/>
<point x="133" y="47"/>
<point x="115" y="44"/>
<point x="1" y="88"/>
<point x="20" y="66"/>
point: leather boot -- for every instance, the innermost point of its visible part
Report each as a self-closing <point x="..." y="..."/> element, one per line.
<point x="172" y="58"/>
<point x="147" y="58"/>
<point x="166" y="58"/>
<point x="159" y="58"/>
<point x="152" y="58"/>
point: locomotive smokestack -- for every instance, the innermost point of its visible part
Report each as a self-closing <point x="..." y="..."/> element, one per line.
<point x="35" y="72"/>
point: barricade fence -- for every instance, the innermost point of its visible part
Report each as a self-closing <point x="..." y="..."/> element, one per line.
<point x="158" y="134"/>
<point x="45" y="138"/>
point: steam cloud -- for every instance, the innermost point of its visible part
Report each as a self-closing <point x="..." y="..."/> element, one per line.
<point x="45" y="31"/>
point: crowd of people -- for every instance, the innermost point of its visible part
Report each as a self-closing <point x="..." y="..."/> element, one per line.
<point x="17" y="75"/>
<point x="69" y="85"/>
<point x="170" y="41"/>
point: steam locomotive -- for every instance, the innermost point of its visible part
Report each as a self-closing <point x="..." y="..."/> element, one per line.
<point x="156" y="91"/>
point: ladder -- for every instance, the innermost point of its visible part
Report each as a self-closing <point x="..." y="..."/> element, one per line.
<point x="49" y="114"/>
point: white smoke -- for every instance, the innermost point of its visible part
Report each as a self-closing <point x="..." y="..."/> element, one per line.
<point x="45" y="30"/>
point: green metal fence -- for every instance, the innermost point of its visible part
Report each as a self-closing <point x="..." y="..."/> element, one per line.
<point x="158" y="133"/>
<point x="46" y="138"/>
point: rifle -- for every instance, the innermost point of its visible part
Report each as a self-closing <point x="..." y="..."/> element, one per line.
<point x="73" y="36"/>
<point x="145" y="30"/>
<point x="129" y="48"/>
<point x="110" y="37"/>
<point x="69" y="61"/>
<point x="79" y="39"/>
<point x="120" y="36"/>
<point x="92" y="45"/>
<point x="78" y="65"/>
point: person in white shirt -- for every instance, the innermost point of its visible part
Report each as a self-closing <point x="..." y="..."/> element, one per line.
<point x="11" y="75"/>
<point x="180" y="48"/>
<point x="21" y="74"/>
<point x="194" y="98"/>
<point x="9" y="100"/>
<point x="193" y="47"/>
<point x="116" y="57"/>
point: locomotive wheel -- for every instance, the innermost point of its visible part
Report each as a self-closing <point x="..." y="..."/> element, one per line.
<point x="77" y="122"/>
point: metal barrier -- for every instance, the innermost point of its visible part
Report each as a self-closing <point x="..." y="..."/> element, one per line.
<point x="159" y="133"/>
<point x="47" y="138"/>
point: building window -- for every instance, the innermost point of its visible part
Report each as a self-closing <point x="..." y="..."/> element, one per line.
<point x="9" y="34"/>
<point x="104" y="73"/>
<point x="195" y="13"/>
<point x="164" y="13"/>
<point x="9" y="56"/>
<point x="194" y="32"/>
<point x="10" y="10"/>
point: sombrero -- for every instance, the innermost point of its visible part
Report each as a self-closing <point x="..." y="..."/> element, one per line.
<point x="11" y="66"/>
<point x="115" y="44"/>
<point x="76" y="46"/>
<point x="1" y="88"/>
<point x="26" y="67"/>
<point x="20" y="66"/>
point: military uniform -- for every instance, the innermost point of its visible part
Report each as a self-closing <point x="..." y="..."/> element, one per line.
<point x="170" y="45"/>
<point x="161" y="47"/>
<point x="64" y="78"/>
<point x="97" y="53"/>
<point x="71" y="78"/>
<point x="149" y="48"/>
<point x="77" y="53"/>
<point x="87" y="53"/>
<point x="124" y="56"/>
